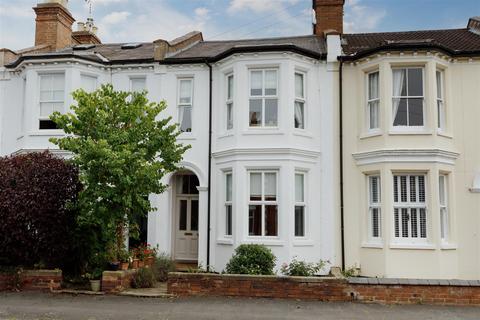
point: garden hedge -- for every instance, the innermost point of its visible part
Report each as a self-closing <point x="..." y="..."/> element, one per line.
<point x="36" y="226"/>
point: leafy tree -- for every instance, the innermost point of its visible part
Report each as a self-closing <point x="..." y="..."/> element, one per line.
<point x="122" y="151"/>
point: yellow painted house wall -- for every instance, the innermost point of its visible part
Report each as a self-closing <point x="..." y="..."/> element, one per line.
<point x="455" y="152"/>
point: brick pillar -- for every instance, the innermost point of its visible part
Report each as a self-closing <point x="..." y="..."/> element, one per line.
<point x="328" y="16"/>
<point x="53" y="25"/>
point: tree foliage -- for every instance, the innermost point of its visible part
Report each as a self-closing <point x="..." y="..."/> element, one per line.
<point x="36" y="224"/>
<point x="122" y="150"/>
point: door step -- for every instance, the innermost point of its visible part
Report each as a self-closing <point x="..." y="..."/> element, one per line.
<point x="181" y="266"/>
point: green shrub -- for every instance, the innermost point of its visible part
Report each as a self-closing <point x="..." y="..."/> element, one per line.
<point x="301" y="268"/>
<point x="251" y="259"/>
<point x="163" y="265"/>
<point x="143" y="278"/>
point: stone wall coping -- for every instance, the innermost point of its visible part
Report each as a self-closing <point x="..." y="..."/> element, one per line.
<point x="414" y="282"/>
<point x="33" y="272"/>
<point x="118" y="273"/>
<point x="252" y="277"/>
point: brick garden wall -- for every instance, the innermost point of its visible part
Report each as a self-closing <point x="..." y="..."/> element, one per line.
<point x="387" y="291"/>
<point x="31" y="280"/>
<point x="116" y="281"/>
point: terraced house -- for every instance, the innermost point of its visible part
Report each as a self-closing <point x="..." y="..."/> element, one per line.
<point x="359" y="149"/>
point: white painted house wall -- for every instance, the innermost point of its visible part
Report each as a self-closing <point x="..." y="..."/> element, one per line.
<point x="285" y="149"/>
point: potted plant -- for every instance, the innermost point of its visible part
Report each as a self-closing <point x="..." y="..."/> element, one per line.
<point x="141" y="256"/>
<point x="112" y="258"/>
<point x="94" y="278"/>
<point x="149" y="255"/>
<point x="124" y="258"/>
<point x="135" y="259"/>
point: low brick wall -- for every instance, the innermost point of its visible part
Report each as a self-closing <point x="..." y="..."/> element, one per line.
<point x="386" y="291"/>
<point x="116" y="281"/>
<point x="32" y="280"/>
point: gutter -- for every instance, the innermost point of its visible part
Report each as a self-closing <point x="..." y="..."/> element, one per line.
<point x="209" y="179"/>
<point x="342" y="218"/>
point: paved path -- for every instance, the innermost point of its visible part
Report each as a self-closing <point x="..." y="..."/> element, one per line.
<point x="49" y="306"/>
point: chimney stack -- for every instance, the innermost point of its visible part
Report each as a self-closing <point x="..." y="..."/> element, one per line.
<point x="53" y="24"/>
<point x="328" y="16"/>
<point x="86" y="33"/>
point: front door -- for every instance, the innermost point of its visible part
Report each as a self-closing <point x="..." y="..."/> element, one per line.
<point x="186" y="240"/>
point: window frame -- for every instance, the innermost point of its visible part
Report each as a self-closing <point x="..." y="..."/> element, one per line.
<point x="302" y="204"/>
<point x="40" y="101"/>
<point x="372" y="206"/>
<point x="131" y="79"/>
<point x="263" y="97"/>
<point x="444" y="208"/>
<point x="263" y="203"/>
<point x="88" y="75"/>
<point x="408" y="128"/>
<point x="228" y="204"/>
<point x="302" y="100"/>
<point x="185" y="105"/>
<point x="440" y="101"/>
<point x="229" y="104"/>
<point x="409" y="205"/>
<point x="369" y="101"/>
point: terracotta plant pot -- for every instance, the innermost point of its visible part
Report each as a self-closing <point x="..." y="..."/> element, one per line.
<point x="124" y="266"/>
<point x="135" y="263"/>
<point x="149" y="261"/>
<point x="95" y="285"/>
<point x="141" y="263"/>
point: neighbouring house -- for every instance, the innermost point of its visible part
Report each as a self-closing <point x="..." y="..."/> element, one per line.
<point x="359" y="149"/>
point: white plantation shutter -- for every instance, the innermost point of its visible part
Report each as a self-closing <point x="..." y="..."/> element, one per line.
<point x="444" y="219"/>
<point x="374" y="207"/>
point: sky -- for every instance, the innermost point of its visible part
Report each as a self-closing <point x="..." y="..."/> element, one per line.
<point x="148" y="20"/>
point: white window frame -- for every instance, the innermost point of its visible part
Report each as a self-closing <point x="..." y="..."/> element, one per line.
<point x="443" y="207"/>
<point x="263" y="97"/>
<point x="40" y="101"/>
<point x="229" y="104"/>
<point x="89" y="75"/>
<point x="185" y="105"/>
<point x="370" y="101"/>
<point x="440" y="99"/>
<point x="137" y="77"/>
<point x="372" y="205"/>
<point x="263" y="203"/>
<point x="407" y="127"/>
<point x="409" y="205"/>
<point x="302" y="204"/>
<point x="302" y="100"/>
<point x="228" y="204"/>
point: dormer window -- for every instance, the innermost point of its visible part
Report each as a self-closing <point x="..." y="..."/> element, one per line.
<point x="52" y="98"/>
<point x="408" y="97"/>
<point x="263" y="98"/>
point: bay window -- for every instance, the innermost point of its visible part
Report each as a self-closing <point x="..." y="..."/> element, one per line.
<point x="410" y="209"/>
<point x="408" y="97"/>
<point x="373" y="101"/>
<point x="229" y="102"/>
<point x="299" y="112"/>
<point x="228" y="204"/>
<point x="263" y="101"/>
<point x="263" y="204"/>
<point x="89" y="82"/>
<point x="374" y="208"/>
<point x="299" y="205"/>
<point x="443" y="203"/>
<point x="185" y="103"/>
<point x="52" y="98"/>
<point x="440" y="101"/>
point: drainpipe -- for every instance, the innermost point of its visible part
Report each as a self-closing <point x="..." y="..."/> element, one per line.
<point x="209" y="192"/>
<point x="342" y="224"/>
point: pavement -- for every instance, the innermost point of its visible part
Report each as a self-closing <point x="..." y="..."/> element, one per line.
<point x="46" y="306"/>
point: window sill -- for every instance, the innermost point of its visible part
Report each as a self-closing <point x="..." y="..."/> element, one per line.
<point x="395" y="132"/>
<point x="448" y="246"/>
<point x="302" y="133"/>
<point x="299" y="242"/>
<point x="225" y="241"/>
<point x="264" y="131"/>
<point x="54" y="132"/>
<point x="372" y="245"/>
<point x="441" y="133"/>
<point x="413" y="246"/>
<point x="371" y="134"/>
<point x="187" y="136"/>
<point x="226" y="135"/>
<point x="264" y="241"/>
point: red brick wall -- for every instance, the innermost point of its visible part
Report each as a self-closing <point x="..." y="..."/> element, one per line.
<point x="328" y="16"/>
<point x="323" y="289"/>
<point x="116" y="281"/>
<point x="53" y="26"/>
<point x="32" y="280"/>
